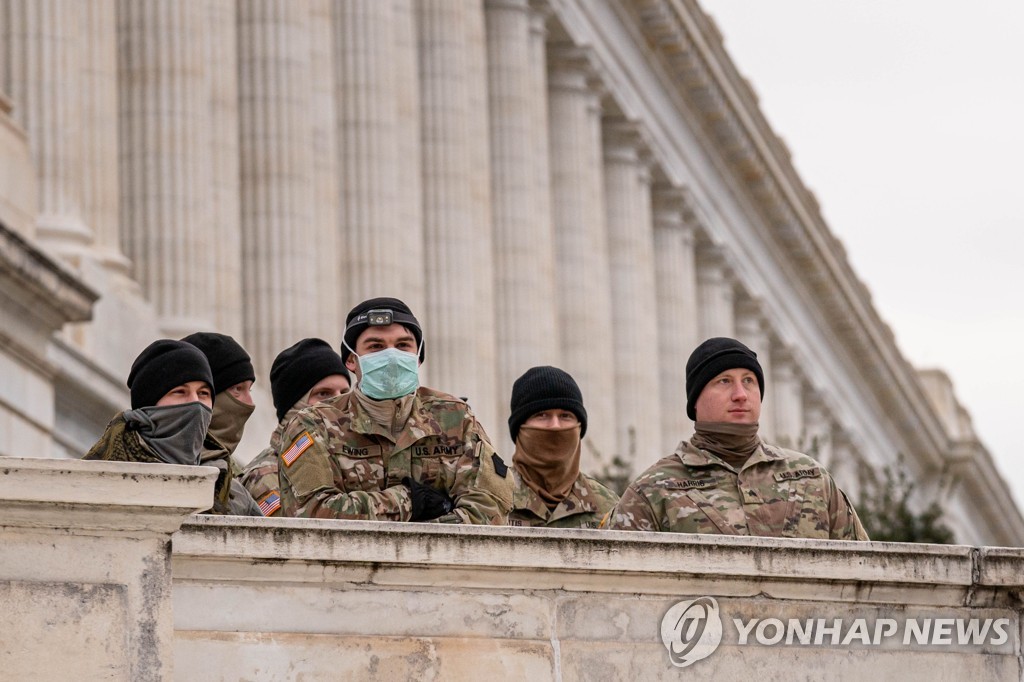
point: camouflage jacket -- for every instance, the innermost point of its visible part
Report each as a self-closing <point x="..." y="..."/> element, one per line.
<point x="341" y="464"/>
<point x="584" y="506"/>
<point x="260" y="475"/>
<point x="260" y="478"/>
<point x="229" y="496"/>
<point x="777" y="492"/>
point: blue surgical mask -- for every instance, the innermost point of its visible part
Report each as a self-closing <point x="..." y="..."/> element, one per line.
<point x="387" y="374"/>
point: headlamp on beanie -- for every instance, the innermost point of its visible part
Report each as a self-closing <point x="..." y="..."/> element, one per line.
<point x="379" y="318"/>
<point x="379" y="312"/>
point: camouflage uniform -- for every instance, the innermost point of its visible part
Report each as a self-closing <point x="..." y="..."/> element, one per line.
<point x="260" y="475"/>
<point x="584" y="506"/>
<point x="342" y="464"/>
<point x="778" y="493"/>
<point x="229" y="496"/>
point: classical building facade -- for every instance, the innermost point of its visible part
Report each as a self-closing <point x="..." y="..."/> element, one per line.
<point x="584" y="183"/>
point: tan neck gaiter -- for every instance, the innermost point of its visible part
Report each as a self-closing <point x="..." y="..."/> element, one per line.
<point x="229" y="417"/>
<point x="548" y="461"/>
<point x="733" y="443"/>
<point x="391" y="414"/>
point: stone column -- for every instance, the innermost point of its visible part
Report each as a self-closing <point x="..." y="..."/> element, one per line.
<point x="44" y="81"/>
<point x="451" y="239"/>
<point x="165" y="177"/>
<point x="715" y="293"/>
<point x="490" y="404"/>
<point x="581" y="243"/>
<point x="85" y="575"/>
<point x="787" y="399"/>
<point x="100" y="191"/>
<point x="409" y="197"/>
<point x="225" y="188"/>
<point x="634" y="300"/>
<point x="817" y="439"/>
<point x="364" y="63"/>
<point x="846" y="463"/>
<point x="278" y="234"/>
<point x="330" y="296"/>
<point x="676" y="284"/>
<point x="523" y="249"/>
<point x="752" y="330"/>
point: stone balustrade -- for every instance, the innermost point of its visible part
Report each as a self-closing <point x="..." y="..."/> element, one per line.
<point x="271" y="599"/>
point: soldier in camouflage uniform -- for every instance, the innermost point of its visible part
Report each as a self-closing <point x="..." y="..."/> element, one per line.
<point x="389" y="449"/>
<point x="302" y="375"/>
<point x="233" y="377"/>
<point x="547" y="423"/>
<point x="725" y="479"/>
<point x="172" y="398"/>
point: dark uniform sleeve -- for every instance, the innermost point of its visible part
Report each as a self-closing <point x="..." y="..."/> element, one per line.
<point x="309" y="488"/>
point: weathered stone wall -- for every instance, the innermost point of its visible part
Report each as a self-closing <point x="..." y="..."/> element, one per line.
<point x="90" y="575"/>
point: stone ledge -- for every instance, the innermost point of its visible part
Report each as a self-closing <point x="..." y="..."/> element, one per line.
<point x="361" y="552"/>
<point x="120" y="496"/>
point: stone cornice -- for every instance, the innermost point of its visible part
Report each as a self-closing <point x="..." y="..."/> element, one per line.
<point x="94" y="495"/>
<point x="42" y="286"/>
<point x="540" y="558"/>
<point x="691" y="48"/>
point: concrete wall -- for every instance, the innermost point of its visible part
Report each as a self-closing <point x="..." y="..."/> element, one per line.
<point x="289" y="599"/>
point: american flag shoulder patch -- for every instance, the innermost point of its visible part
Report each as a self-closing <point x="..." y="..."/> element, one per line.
<point x="270" y="503"/>
<point x="300" y="445"/>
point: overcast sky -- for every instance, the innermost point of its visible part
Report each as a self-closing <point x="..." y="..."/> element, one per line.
<point x="906" y="119"/>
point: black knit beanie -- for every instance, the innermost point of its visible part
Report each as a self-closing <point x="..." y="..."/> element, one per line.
<point x="228" y="360"/>
<point x="163" y="365"/>
<point x="298" y="368"/>
<point x="358" y="321"/>
<point x="545" y="388"/>
<point x="711" y="358"/>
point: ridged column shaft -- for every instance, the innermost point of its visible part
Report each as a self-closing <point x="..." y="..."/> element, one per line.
<point x="634" y="300"/>
<point x="676" y="283"/>
<point x="100" y="190"/>
<point x="715" y="294"/>
<point x="817" y="429"/>
<point x="752" y="330"/>
<point x="581" y="246"/>
<point x="331" y="297"/>
<point x="409" y="199"/>
<point x="279" y="238"/>
<point x="165" y="177"/>
<point x="489" y="404"/>
<point x="452" y="314"/>
<point x="523" y="246"/>
<point x="222" y="49"/>
<point x="45" y="51"/>
<point x="787" y="399"/>
<point x="364" y="62"/>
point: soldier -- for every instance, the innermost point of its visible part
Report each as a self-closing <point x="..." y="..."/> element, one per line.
<point x="725" y="479"/>
<point x="302" y="375"/>
<point x="172" y="399"/>
<point x="547" y="424"/>
<point x="233" y="377"/>
<point x="390" y="449"/>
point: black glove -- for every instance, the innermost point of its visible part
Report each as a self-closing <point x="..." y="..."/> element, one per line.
<point x="427" y="503"/>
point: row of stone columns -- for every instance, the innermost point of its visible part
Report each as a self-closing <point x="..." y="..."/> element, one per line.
<point x="268" y="163"/>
